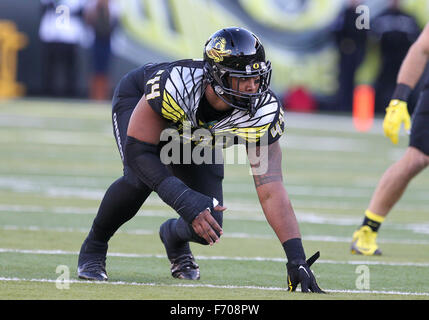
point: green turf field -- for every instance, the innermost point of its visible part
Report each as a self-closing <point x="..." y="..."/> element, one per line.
<point x="57" y="158"/>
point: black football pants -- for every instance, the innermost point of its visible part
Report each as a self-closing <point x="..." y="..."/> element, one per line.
<point x="127" y="194"/>
<point x="419" y="137"/>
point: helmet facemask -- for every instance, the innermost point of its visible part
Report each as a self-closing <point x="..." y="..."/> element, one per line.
<point x="222" y="79"/>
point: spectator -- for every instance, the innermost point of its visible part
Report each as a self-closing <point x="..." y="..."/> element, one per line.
<point x="102" y="16"/>
<point x="396" y="31"/>
<point x="351" y="43"/>
<point x="60" y="31"/>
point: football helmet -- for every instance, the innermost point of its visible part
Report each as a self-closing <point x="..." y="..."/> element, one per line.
<point x="236" y="53"/>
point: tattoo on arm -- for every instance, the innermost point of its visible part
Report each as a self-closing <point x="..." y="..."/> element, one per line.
<point x="270" y="158"/>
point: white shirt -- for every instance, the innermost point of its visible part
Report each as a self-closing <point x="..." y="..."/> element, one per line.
<point x="61" y="24"/>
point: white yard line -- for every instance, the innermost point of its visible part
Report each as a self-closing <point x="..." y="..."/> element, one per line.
<point x="325" y="144"/>
<point x="254" y="213"/>
<point x="16" y="279"/>
<point x="83" y="190"/>
<point x="198" y="257"/>
<point x="234" y="235"/>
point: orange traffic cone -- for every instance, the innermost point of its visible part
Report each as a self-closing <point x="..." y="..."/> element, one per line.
<point x="363" y="107"/>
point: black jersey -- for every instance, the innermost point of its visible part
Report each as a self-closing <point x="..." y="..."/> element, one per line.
<point x="176" y="92"/>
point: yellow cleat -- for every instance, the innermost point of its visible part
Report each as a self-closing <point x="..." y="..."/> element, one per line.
<point x="364" y="242"/>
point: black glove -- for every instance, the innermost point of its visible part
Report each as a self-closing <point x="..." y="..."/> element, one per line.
<point x="299" y="272"/>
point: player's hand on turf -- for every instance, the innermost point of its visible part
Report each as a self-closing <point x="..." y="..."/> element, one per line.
<point x="299" y="273"/>
<point x="206" y="226"/>
<point x="396" y="113"/>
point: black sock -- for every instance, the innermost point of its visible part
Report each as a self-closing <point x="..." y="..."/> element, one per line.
<point x="372" y="220"/>
<point x="374" y="225"/>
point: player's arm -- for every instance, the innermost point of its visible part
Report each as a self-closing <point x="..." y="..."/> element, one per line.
<point x="415" y="61"/>
<point x="142" y="155"/>
<point x="409" y="74"/>
<point x="266" y="163"/>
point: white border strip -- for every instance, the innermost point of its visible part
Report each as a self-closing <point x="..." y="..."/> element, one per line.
<point x="213" y="286"/>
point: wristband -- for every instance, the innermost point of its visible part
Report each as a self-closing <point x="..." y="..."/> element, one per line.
<point x="402" y="92"/>
<point x="188" y="203"/>
<point x="294" y="251"/>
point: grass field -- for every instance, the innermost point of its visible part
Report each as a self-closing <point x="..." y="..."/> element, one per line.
<point x="58" y="158"/>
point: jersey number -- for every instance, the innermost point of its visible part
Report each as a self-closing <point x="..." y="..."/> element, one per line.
<point x="277" y="129"/>
<point x="154" y="89"/>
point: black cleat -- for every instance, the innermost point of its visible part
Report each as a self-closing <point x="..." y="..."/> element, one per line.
<point x="93" y="270"/>
<point x="92" y="261"/>
<point x="184" y="267"/>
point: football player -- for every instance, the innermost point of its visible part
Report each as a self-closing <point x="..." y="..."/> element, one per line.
<point x="416" y="157"/>
<point x="227" y="93"/>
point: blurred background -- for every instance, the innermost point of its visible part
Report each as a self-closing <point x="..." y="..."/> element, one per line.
<point x="320" y="49"/>
<point x="59" y="63"/>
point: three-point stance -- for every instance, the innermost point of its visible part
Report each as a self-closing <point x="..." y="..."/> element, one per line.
<point x="227" y="93"/>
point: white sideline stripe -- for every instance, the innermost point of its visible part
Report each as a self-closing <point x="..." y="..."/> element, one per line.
<point x="302" y="216"/>
<point x="163" y="256"/>
<point x="325" y="143"/>
<point x="209" y="286"/>
<point x="234" y="235"/>
<point x="55" y="190"/>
